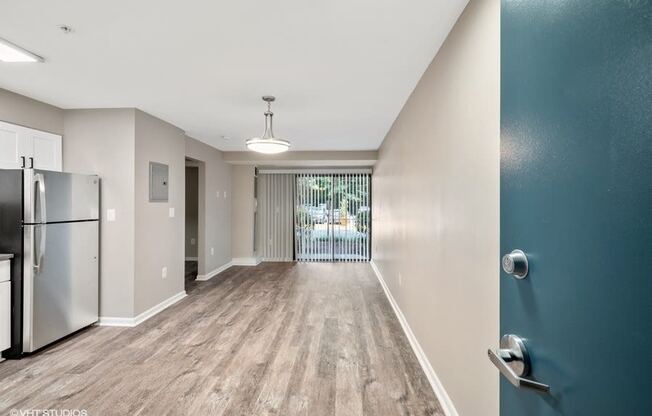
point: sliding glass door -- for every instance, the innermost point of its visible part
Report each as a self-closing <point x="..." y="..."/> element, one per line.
<point x="313" y="201"/>
<point x="332" y="217"/>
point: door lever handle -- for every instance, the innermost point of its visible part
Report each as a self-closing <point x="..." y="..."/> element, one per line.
<point x="513" y="362"/>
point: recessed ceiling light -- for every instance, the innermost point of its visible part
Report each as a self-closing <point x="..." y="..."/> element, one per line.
<point x="14" y="53"/>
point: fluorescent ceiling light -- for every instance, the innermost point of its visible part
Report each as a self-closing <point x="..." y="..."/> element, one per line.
<point x="13" y="53"/>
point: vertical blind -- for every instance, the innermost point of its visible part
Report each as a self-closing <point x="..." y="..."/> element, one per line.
<point x="332" y="217"/>
<point x="275" y="217"/>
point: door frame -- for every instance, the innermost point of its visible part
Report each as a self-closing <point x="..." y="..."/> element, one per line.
<point x="201" y="213"/>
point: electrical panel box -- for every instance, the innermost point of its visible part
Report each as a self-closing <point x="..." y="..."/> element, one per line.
<point x="158" y="182"/>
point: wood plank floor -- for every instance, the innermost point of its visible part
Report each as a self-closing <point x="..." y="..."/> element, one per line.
<point x="277" y="339"/>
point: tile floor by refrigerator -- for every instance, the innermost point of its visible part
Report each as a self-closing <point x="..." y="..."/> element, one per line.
<point x="280" y="338"/>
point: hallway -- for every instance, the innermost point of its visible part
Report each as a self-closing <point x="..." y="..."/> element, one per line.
<point x="278" y="338"/>
<point x="190" y="276"/>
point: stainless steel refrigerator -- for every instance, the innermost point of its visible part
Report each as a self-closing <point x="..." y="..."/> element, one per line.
<point x="50" y="222"/>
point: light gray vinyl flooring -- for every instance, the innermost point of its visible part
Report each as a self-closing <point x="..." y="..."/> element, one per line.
<point x="276" y="339"/>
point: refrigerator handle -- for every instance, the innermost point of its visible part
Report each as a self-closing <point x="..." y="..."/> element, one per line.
<point x="31" y="163"/>
<point x="40" y="252"/>
<point x="22" y="162"/>
<point x="39" y="183"/>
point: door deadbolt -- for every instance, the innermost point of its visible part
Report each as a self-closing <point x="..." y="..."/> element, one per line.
<point x="515" y="263"/>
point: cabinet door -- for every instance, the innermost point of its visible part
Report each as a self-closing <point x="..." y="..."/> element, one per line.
<point x="13" y="146"/>
<point x="24" y="147"/>
<point x="5" y="315"/>
<point x="46" y="150"/>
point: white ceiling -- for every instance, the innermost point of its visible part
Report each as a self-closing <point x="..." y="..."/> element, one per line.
<point x="341" y="69"/>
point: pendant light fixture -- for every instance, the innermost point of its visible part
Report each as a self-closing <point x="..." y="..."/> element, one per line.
<point x="268" y="143"/>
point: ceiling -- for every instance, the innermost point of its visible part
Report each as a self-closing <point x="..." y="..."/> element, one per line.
<point x="341" y="69"/>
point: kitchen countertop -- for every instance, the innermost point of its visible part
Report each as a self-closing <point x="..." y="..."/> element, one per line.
<point x="6" y="256"/>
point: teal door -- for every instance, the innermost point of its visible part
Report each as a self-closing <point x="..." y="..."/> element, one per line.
<point x="576" y="197"/>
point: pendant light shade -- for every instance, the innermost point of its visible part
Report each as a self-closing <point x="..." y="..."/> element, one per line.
<point x="268" y="143"/>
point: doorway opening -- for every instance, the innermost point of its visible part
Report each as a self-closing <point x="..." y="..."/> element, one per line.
<point x="192" y="224"/>
<point x="333" y="217"/>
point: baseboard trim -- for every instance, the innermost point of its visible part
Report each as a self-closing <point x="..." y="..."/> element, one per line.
<point x="131" y="322"/>
<point x="246" y="261"/>
<point x="435" y="383"/>
<point x="111" y="321"/>
<point x="210" y="275"/>
<point x="192" y="258"/>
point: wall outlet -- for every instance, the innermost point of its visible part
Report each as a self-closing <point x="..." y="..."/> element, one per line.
<point x="171" y="212"/>
<point x="192" y="241"/>
<point x="212" y="251"/>
<point x="218" y="194"/>
<point x="400" y="279"/>
<point x="164" y="273"/>
<point x="110" y="215"/>
<point x="224" y="194"/>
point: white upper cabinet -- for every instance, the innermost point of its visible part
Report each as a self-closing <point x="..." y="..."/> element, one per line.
<point x="22" y="147"/>
<point x="12" y="147"/>
<point x="46" y="150"/>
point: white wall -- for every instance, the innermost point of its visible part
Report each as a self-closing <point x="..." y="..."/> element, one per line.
<point x="436" y="209"/>
<point x="102" y="142"/>
<point x="159" y="238"/>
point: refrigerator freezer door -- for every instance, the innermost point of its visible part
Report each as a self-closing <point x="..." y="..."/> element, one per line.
<point x="60" y="281"/>
<point x="58" y="197"/>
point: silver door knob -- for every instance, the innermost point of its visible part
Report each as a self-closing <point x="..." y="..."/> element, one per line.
<point x="515" y="263"/>
<point x="513" y="362"/>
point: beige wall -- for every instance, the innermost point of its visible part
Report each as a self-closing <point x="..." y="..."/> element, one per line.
<point x="159" y="238"/>
<point x="192" y="211"/>
<point x="242" y="208"/>
<point x="214" y="206"/>
<point x="24" y="111"/>
<point x="436" y="210"/>
<point x="102" y="142"/>
<point x="304" y="158"/>
<point x="118" y="144"/>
